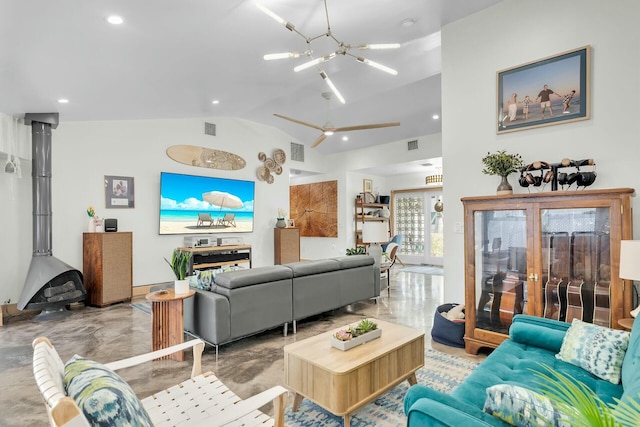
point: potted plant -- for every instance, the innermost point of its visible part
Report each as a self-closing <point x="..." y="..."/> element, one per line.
<point x="94" y="220"/>
<point x="354" y="335"/>
<point x="280" y="223"/>
<point x="502" y="164"/>
<point x="358" y="250"/>
<point x="364" y="326"/>
<point x="180" y="266"/>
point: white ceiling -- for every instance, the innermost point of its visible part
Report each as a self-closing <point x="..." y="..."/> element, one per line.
<point x="171" y="58"/>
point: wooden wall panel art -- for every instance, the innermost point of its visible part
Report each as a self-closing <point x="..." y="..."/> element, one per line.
<point x="314" y="208"/>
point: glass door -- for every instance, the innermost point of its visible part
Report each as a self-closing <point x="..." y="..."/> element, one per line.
<point x="576" y="270"/>
<point x="419" y="218"/>
<point x="500" y="239"/>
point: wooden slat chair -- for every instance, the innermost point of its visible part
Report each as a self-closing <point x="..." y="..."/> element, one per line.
<point x="202" y="400"/>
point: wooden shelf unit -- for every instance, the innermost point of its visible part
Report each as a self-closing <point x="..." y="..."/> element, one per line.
<point x="217" y="256"/>
<point x="107" y="267"/>
<point x="361" y="218"/>
<point x="286" y="245"/>
<point x="553" y="254"/>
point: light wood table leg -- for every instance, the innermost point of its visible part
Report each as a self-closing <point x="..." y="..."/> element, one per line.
<point x="167" y="329"/>
<point x="168" y="326"/>
<point x="347" y="420"/>
<point x="297" y="400"/>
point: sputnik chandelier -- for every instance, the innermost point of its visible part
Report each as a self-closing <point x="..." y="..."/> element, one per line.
<point x="342" y="49"/>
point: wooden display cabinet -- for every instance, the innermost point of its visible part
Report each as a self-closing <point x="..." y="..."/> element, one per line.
<point x="553" y="254"/>
<point x="107" y="267"/>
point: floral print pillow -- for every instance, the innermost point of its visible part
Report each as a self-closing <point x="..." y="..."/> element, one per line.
<point x="521" y="407"/>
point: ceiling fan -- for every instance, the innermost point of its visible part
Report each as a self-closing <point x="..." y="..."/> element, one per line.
<point x="329" y="129"/>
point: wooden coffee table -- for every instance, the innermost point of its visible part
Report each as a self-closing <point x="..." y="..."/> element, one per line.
<point x="344" y="381"/>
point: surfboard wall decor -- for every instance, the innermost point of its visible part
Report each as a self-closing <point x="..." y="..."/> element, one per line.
<point x="205" y="157"/>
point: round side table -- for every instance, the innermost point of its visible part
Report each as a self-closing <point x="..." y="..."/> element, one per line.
<point x="167" y="311"/>
<point x="626" y="323"/>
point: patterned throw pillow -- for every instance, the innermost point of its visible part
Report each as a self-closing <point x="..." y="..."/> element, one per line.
<point x="521" y="407"/>
<point x="193" y="281"/>
<point x="206" y="279"/>
<point x="105" y="399"/>
<point x="595" y="349"/>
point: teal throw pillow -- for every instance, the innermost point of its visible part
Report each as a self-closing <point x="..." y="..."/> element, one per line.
<point x="519" y="406"/>
<point x="105" y="399"/>
<point x="595" y="349"/>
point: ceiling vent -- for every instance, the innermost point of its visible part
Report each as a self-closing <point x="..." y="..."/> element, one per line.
<point x="412" y="145"/>
<point x="209" y="129"/>
<point x="297" y="152"/>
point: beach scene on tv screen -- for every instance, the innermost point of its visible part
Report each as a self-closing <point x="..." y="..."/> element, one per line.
<point x="202" y="204"/>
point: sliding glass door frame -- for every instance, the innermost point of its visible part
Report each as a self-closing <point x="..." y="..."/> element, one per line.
<point x="432" y="222"/>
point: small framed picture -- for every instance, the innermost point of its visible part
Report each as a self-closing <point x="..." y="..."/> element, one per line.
<point x="118" y="192"/>
<point x="291" y="223"/>
<point x="367" y="186"/>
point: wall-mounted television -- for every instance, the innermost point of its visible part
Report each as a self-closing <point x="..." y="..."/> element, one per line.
<point x="204" y="204"/>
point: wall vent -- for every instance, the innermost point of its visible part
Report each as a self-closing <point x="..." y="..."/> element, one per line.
<point x="297" y="152"/>
<point x="412" y="145"/>
<point x="209" y="129"/>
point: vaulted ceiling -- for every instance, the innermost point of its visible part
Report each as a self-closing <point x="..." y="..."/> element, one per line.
<point x="172" y="58"/>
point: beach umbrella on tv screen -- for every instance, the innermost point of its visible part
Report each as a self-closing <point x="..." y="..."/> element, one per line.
<point x="222" y="199"/>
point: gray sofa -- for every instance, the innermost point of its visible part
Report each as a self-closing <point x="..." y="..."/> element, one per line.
<point x="245" y="302"/>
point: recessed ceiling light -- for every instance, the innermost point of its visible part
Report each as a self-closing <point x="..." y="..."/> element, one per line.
<point x="215" y="102"/>
<point x="115" y="19"/>
<point x="63" y="101"/>
<point x="345" y="138"/>
<point x="436" y="117"/>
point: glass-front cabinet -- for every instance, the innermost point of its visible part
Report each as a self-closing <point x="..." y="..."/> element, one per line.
<point x="552" y="254"/>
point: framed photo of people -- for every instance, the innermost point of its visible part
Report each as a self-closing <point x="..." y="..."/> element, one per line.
<point x="548" y="91"/>
<point x="118" y="192"/>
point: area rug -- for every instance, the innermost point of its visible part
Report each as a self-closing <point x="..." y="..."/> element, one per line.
<point x="442" y="372"/>
<point x="424" y="269"/>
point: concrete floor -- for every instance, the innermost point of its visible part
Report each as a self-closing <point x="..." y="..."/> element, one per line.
<point x="247" y="366"/>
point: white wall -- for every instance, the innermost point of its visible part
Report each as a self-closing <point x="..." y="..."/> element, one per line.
<point x="15" y="231"/>
<point x="84" y="152"/>
<point x="15" y="209"/>
<point x="519" y="31"/>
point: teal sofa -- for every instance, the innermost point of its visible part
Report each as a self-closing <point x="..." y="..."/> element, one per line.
<point x="533" y="340"/>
